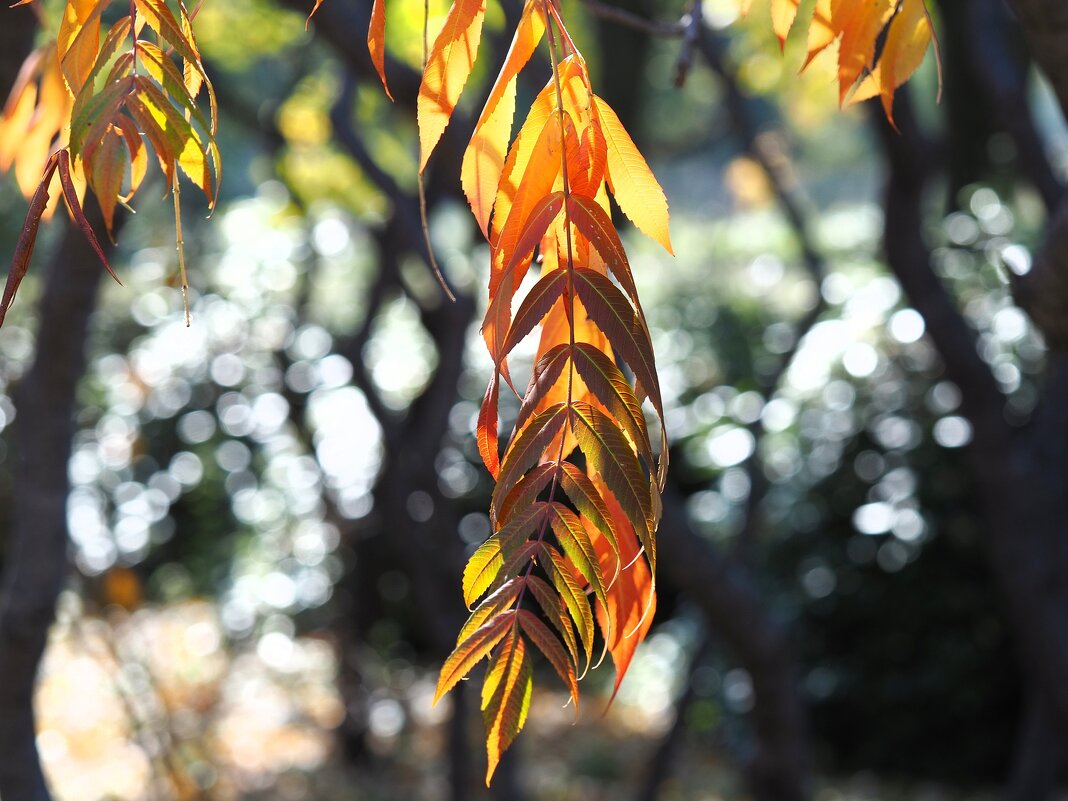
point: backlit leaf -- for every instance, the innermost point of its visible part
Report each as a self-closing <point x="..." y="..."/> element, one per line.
<point x="471" y="651"/>
<point x="505" y="699"/>
<point x="376" y="40"/>
<point x="484" y="158"/>
<point x="607" y="306"/>
<point x="548" y="644"/>
<point x="447" y="70"/>
<point x="527" y="447"/>
<point x="631" y="181"/>
<point x="610" y="455"/>
<point x="906" y="44"/>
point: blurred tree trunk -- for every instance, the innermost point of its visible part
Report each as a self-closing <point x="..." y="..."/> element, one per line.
<point x="36" y="558"/>
<point x="1022" y="471"/>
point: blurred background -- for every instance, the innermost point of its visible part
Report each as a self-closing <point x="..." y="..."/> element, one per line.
<point x="863" y="555"/>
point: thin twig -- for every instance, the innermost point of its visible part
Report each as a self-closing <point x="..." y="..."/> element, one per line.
<point x="435" y="268"/>
<point x="691" y="35"/>
<point x="663" y="30"/>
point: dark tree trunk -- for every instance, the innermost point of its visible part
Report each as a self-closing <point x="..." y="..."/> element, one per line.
<point x="1021" y="472"/>
<point x="36" y="557"/>
<point x="779" y="767"/>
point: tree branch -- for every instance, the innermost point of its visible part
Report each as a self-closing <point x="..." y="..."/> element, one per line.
<point x="1045" y="25"/>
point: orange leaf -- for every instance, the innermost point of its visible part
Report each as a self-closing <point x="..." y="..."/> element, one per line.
<point x="906" y="44"/>
<point x="632" y="599"/>
<point x="447" y="69"/>
<point x="376" y="40"/>
<point x="860" y="21"/>
<point x="485" y="156"/>
<point x="498" y="314"/>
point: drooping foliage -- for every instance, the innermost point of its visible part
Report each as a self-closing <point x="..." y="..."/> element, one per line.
<point x="880" y="42"/>
<point x="89" y="104"/>
<point x="568" y="570"/>
<point x="577" y="499"/>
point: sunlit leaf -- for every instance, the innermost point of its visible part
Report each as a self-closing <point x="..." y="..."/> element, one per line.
<point x="631" y="181"/>
<point x="447" y="69"/>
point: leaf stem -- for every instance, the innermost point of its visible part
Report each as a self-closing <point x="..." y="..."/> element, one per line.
<point x="180" y="243"/>
<point x="423" y="219"/>
<point x="567" y="201"/>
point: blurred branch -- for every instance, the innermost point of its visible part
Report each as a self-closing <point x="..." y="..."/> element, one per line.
<point x="693" y="23"/>
<point x="780" y="767"/>
<point x="775" y="169"/>
<point x="659" y="767"/>
<point x="997" y="59"/>
<point x="1020" y="472"/>
<point x="1045" y="25"/>
<point x="665" y="30"/>
<point x="908" y="257"/>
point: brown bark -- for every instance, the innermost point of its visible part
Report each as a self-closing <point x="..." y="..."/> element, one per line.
<point x="35" y="563"/>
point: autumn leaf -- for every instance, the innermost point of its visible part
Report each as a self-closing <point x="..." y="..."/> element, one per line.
<point x="447" y="69"/>
<point x="907" y="40"/>
<point x="631" y="181"/>
<point x="376" y="40"/>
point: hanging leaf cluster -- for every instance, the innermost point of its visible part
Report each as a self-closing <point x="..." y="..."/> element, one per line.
<point x="93" y="103"/>
<point x="570" y="563"/>
<point x="880" y="42"/>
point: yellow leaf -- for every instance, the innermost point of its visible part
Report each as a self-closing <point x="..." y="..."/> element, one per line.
<point x="506" y="695"/>
<point x="485" y="156"/>
<point x="783" y="13"/>
<point x="861" y="23"/>
<point x="632" y="182"/>
<point x="79" y="40"/>
<point x="906" y="44"/>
